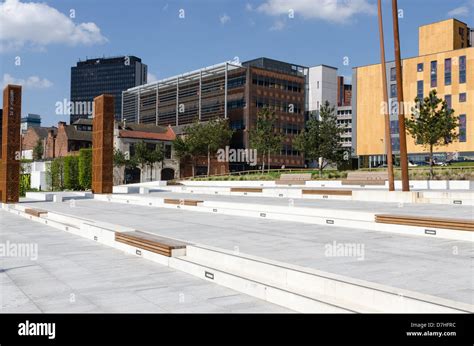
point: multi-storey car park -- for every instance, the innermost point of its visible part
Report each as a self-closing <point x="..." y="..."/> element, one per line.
<point x="231" y="91"/>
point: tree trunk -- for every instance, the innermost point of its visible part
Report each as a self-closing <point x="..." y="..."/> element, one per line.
<point x="263" y="162"/>
<point x="269" y="161"/>
<point x="431" y="163"/>
<point x="208" y="162"/>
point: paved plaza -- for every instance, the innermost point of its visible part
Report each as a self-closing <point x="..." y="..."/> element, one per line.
<point x="434" y="266"/>
<point x="73" y="274"/>
<point x="435" y="210"/>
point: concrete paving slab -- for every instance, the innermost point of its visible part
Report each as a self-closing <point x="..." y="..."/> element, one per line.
<point x="94" y="277"/>
<point x="408" y="262"/>
<point x="438" y="210"/>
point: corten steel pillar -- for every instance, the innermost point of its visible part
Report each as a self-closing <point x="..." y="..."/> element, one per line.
<point x="401" y="111"/>
<point x="11" y="149"/>
<point x="103" y="144"/>
<point x="388" y="138"/>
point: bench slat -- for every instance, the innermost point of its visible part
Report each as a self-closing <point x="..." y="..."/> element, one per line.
<point x="435" y="222"/>
<point x="328" y="192"/>
<point x="245" y="189"/>
<point x="35" y="212"/>
<point x="191" y="202"/>
<point x="149" y="242"/>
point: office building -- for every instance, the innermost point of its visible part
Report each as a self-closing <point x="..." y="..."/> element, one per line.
<point x="322" y="87"/>
<point x="31" y="120"/>
<point x="325" y="85"/>
<point x="232" y="91"/>
<point x="445" y="63"/>
<point x="94" y="77"/>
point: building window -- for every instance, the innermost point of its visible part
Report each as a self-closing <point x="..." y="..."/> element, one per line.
<point x="167" y="151"/>
<point x="462" y="69"/>
<point x="447" y="98"/>
<point x="393" y="74"/>
<point x="434" y="74"/>
<point x="419" y="67"/>
<point x="462" y="97"/>
<point x="393" y="90"/>
<point x="447" y="71"/>
<point x="394" y="129"/>
<point x="317" y="84"/>
<point x="419" y="90"/>
<point x="462" y="128"/>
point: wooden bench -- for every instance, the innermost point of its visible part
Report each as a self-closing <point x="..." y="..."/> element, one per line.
<point x="191" y="202"/>
<point x="35" y="212"/>
<point x="246" y="189"/>
<point x="435" y="222"/>
<point x="153" y="243"/>
<point x="328" y="192"/>
<point x="365" y="178"/>
<point x="293" y="179"/>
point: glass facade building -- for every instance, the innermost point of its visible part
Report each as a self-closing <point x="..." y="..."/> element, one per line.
<point x="94" y="77"/>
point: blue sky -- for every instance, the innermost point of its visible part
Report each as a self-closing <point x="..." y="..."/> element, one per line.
<point x="48" y="41"/>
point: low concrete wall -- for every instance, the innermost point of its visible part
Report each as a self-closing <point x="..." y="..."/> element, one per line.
<point x="414" y="184"/>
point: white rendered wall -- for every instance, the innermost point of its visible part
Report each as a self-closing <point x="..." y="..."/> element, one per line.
<point x="327" y="91"/>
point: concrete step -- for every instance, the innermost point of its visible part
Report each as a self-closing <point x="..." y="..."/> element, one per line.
<point x="304" y="289"/>
<point x="317" y="216"/>
<point x="297" y="288"/>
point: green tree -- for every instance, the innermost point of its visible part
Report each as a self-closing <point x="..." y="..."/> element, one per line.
<point x="182" y="149"/>
<point x="146" y="157"/>
<point x="38" y="150"/>
<point x="140" y="155"/>
<point x="85" y="168"/>
<point x="71" y="173"/>
<point x="202" y="139"/>
<point x="155" y="156"/>
<point x="120" y="159"/>
<point x="55" y="174"/>
<point x="213" y="135"/>
<point x="321" y="139"/>
<point x="264" y="136"/>
<point x="432" y="124"/>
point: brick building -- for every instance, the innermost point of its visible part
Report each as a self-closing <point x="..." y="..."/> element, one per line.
<point x="126" y="136"/>
<point x="72" y="138"/>
<point x="33" y="135"/>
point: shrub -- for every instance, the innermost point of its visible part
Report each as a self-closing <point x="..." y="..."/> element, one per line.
<point x="25" y="183"/>
<point x="71" y="173"/>
<point x="55" y="174"/>
<point x="85" y="168"/>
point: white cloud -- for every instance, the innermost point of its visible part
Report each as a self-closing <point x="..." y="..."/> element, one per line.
<point x="32" y="82"/>
<point x="151" y="77"/>
<point x="248" y="7"/>
<point x="224" y="18"/>
<point x="278" y="25"/>
<point x="459" y="11"/>
<point x="329" y="10"/>
<point x="462" y="11"/>
<point x="37" y="25"/>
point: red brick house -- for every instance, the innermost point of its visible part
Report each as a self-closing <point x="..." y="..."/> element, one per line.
<point x="35" y="134"/>
<point x="72" y="138"/>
